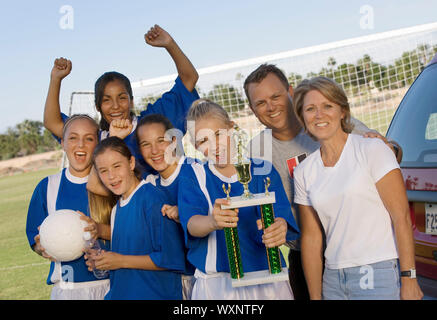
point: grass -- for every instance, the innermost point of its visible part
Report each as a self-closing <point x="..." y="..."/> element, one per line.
<point x="377" y="120"/>
<point x="22" y="272"/>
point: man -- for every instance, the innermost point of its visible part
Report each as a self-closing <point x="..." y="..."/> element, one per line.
<point x="285" y="144"/>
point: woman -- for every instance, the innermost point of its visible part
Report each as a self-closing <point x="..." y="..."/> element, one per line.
<point x="350" y="191"/>
<point x="200" y="198"/>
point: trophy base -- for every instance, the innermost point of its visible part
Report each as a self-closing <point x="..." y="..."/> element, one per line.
<point x="260" y="277"/>
<point x="257" y="200"/>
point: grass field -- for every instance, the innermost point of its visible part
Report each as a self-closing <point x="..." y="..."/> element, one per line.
<point x="378" y="120"/>
<point x="22" y="272"/>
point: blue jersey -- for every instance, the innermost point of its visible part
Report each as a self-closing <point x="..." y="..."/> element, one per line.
<point x="170" y="185"/>
<point x="200" y="185"/>
<point x="173" y="104"/>
<point x="138" y="228"/>
<point x="57" y="192"/>
<point x="170" y="188"/>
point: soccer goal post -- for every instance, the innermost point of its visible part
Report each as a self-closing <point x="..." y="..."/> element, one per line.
<point x="374" y="70"/>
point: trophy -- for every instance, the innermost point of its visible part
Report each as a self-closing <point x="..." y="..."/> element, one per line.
<point x="265" y="201"/>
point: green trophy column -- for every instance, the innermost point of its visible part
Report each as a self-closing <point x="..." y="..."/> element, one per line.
<point x="234" y="254"/>
<point x="273" y="255"/>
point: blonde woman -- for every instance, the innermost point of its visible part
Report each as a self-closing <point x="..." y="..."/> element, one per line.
<point x="350" y="191"/>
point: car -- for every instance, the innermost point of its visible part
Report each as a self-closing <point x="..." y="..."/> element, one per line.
<point x="414" y="128"/>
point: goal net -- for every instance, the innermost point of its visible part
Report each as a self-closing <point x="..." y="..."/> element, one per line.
<point x="374" y="70"/>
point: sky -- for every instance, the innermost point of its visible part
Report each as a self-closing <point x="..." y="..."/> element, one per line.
<point x="109" y="35"/>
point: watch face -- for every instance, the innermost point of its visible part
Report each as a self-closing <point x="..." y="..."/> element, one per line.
<point x="413" y="273"/>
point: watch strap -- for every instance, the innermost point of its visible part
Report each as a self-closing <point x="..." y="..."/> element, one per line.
<point x="409" y="273"/>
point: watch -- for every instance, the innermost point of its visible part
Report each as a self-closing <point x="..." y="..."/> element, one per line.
<point x="410" y="273"/>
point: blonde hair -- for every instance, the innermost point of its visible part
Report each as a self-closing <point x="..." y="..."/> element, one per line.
<point x="331" y="91"/>
<point x="79" y="116"/>
<point x="101" y="207"/>
<point x="203" y="108"/>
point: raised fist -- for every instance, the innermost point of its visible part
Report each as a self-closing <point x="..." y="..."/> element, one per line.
<point x="61" y="68"/>
<point x="158" y="37"/>
<point x="120" y="128"/>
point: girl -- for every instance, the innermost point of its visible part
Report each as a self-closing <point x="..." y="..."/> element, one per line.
<point x="67" y="190"/>
<point x="114" y="97"/>
<point x="164" y="153"/>
<point x="351" y="191"/>
<point x="203" y="220"/>
<point x="146" y="255"/>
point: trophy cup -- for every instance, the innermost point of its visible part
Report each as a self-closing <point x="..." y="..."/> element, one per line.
<point x="265" y="201"/>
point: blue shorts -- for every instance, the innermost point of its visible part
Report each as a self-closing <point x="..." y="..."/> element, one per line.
<point x="377" y="281"/>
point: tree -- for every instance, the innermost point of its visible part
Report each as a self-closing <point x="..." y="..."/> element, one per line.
<point x="294" y="79"/>
<point x="8" y="144"/>
<point x="371" y="73"/>
<point x="27" y="137"/>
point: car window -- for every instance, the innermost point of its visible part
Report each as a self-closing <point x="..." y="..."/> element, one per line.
<point x="414" y="125"/>
<point x="431" y="127"/>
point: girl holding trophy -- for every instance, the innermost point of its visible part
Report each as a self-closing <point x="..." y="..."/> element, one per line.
<point x="203" y="189"/>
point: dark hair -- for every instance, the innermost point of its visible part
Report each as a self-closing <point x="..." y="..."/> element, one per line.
<point x="115" y="144"/>
<point x="260" y="73"/>
<point x="154" y="118"/>
<point x="166" y="123"/>
<point x="99" y="89"/>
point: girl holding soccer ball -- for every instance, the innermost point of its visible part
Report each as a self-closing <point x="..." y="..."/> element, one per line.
<point x="67" y="190"/>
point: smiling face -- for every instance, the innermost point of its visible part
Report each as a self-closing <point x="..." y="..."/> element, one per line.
<point x="322" y="117"/>
<point x="270" y="101"/>
<point x="116" y="102"/>
<point x="213" y="139"/>
<point x="155" y="149"/>
<point x="79" y="141"/>
<point x="116" y="172"/>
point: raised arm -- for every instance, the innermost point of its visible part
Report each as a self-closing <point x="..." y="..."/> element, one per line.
<point x="52" y="110"/>
<point x="158" y="37"/>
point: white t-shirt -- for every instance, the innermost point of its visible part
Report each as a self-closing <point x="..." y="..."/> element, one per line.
<point x="285" y="154"/>
<point x="357" y="225"/>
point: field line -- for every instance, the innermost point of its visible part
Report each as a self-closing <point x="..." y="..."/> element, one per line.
<point x="24" y="266"/>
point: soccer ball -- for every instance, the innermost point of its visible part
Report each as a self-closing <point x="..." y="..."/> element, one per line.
<point x="61" y="235"/>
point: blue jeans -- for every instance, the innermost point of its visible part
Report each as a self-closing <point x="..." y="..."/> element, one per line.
<point x="377" y="281"/>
